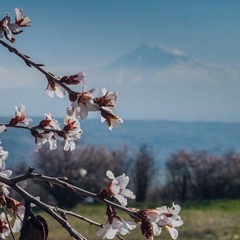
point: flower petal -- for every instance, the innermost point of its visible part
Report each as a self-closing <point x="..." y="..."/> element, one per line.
<point x="173" y="232"/>
<point x="110" y="175"/>
<point x="121" y="199"/>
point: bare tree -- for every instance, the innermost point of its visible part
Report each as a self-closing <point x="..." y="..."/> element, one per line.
<point x="200" y="175"/>
<point x="179" y="167"/>
<point x="86" y="166"/>
<point x="143" y="172"/>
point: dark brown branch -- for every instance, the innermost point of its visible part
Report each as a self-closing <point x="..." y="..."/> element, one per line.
<point x="62" y="183"/>
<point x="59" y="132"/>
<point x="30" y="63"/>
<point x="82" y="192"/>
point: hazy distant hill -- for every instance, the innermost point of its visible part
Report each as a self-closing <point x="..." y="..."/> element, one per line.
<point x="163" y="137"/>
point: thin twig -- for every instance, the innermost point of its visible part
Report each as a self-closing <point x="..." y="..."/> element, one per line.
<point x="73" y="214"/>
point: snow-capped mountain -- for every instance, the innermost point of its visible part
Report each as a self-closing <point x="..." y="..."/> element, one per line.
<point x="170" y="84"/>
<point x="151" y="56"/>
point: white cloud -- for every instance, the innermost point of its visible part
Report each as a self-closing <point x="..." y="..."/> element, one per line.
<point x="179" y="73"/>
<point x="181" y="91"/>
<point x="15" y="78"/>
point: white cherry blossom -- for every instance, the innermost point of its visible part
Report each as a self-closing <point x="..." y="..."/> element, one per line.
<point x="50" y="123"/>
<point x="20" y="19"/>
<point x="166" y="218"/>
<point x="117" y="188"/>
<point x="75" y="79"/>
<point x="44" y="138"/>
<point x="108" y="100"/>
<point x="115" y="225"/>
<point x="55" y="88"/>
<point x="20" y="117"/>
<point x="7" y="28"/>
<point x="110" y="118"/>
<point x="85" y="102"/>
<point x="70" y="139"/>
<point x="169" y="219"/>
<point x="73" y="130"/>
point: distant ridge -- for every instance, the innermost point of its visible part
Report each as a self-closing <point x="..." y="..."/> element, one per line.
<point x="162" y="137"/>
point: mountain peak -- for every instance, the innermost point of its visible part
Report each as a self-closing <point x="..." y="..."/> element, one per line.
<point x="172" y="51"/>
<point x="150" y="56"/>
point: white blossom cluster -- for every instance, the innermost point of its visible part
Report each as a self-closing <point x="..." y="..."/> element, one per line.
<point x="16" y="209"/>
<point x="152" y="221"/>
<point x="82" y="102"/>
<point x="8" y="29"/>
<point x="87" y="100"/>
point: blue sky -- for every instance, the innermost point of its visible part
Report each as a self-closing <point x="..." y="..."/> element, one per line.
<point x="75" y="35"/>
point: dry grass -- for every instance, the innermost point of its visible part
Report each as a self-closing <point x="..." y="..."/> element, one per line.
<point x="216" y="221"/>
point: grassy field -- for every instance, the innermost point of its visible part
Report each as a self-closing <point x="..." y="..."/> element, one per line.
<point x="218" y="220"/>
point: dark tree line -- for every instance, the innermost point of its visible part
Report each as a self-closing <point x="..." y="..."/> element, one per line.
<point x="87" y="168"/>
<point x="199" y="175"/>
<point x="194" y="175"/>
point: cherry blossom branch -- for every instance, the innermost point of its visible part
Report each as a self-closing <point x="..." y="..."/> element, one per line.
<point x="52" y="210"/>
<point x="61" y="181"/>
<point x="82" y="192"/>
<point x="84" y="101"/>
<point x="30" y="63"/>
<point x="152" y="220"/>
<point x="63" y="212"/>
<point x="46" y="208"/>
<point x="8" y="125"/>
